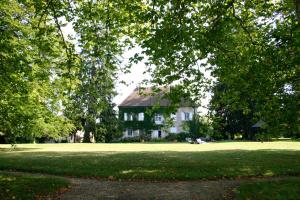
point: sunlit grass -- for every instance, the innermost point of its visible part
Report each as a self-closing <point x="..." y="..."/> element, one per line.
<point x="153" y="147"/>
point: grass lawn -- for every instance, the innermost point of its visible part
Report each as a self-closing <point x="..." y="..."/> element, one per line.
<point x="178" y="161"/>
<point x="269" y="190"/>
<point x="25" y="187"/>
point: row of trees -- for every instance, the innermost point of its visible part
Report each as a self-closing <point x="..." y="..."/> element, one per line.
<point x="49" y="89"/>
<point x="251" y="48"/>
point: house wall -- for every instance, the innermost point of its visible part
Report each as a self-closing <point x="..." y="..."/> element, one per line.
<point x="148" y="125"/>
<point x="179" y="120"/>
<point x="135" y="133"/>
<point x="154" y="134"/>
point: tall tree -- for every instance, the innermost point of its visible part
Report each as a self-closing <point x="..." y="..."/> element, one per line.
<point x="253" y="47"/>
<point x="99" y="38"/>
<point x="31" y="66"/>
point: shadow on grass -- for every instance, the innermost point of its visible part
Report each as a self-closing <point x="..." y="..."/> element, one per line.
<point x="167" y="165"/>
<point x="20" y="186"/>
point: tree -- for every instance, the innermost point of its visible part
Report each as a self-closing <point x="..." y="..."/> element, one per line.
<point x="32" y="64"/>
<point x="227" y="120"/>
<point x="250" y="46"/>
<point x="99" y="38"/>
<point x="199" y="126"/>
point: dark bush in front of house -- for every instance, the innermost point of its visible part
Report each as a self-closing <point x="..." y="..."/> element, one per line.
<point x="171" y="137"/>
<point x="179" y="137"/>
<point x="129" y="139"/>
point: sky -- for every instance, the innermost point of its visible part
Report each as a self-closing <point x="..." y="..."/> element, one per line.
<point x="131" y="79"/>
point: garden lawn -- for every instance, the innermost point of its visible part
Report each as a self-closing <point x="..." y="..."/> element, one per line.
<point x="23" y="187"/>
<point x="269" y="190"/>
<point x="179" y="161"/>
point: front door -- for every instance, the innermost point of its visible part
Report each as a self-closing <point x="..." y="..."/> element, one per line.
<point x="159" y="133"/>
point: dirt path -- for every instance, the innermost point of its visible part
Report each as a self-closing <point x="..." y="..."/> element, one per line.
<point x="91" y="189"/>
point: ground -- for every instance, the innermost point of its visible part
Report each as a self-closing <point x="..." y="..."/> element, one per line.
<point x="182" y="170"/>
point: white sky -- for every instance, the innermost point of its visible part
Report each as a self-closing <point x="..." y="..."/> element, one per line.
<point x="132" y="79"/>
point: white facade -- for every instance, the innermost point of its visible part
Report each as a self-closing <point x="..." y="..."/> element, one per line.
<point x="158" y="134"/>
<point x="131" y="133"/>
<point x="182" y="115"/>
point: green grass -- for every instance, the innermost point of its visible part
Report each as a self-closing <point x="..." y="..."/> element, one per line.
<point x="156" y="161"/>
<point x="269" y="190"/>
<point x="25" y="187"/>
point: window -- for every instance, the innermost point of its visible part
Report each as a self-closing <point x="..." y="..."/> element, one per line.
<point x="129" y="132"/>
<point x="173" y="130"/>
<point x="125" y="117"/>
<point x="158" y="118"/>
<point x="159" y="133"/>
<point x="141" y="117"/>
<point x="130" y="117"/>
<point x="186" y="116"/>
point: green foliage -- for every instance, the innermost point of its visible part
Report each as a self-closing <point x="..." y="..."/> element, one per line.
<point x="198" y="127"/>
<point x="32" y="67"/>
<point x="147" y="124"/>
<point x="228" y="121"/>
<point x="251" y="47"/>
<point x="129" y="139"/>
<point x="99" y="40"/>
<point x="179" y="137"/>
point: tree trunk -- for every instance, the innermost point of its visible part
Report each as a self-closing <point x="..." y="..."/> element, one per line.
<point x="87" y="130"/>
<point x="297" y="5"/>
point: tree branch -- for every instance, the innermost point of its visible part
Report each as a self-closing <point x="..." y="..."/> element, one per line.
<point x="243" y="27"/>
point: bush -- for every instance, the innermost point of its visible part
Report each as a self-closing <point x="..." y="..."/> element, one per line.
<point x="159" y="140"/>
<point x="180" y="137"/>
<point x="171" y="137"/>
<point x="145" y="137"/>
<point x="129" y="139"/>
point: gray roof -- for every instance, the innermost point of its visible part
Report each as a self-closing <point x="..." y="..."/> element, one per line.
<point x="146" y="97"/>
<point x="259" y="124"/>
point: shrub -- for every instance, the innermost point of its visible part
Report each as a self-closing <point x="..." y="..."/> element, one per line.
<point x="145" y="137"/>
<point x="180" y="137"/>
<point x="159" y="140"/>
<point x="171" y="137"/>
<point x="129" y="139"/>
